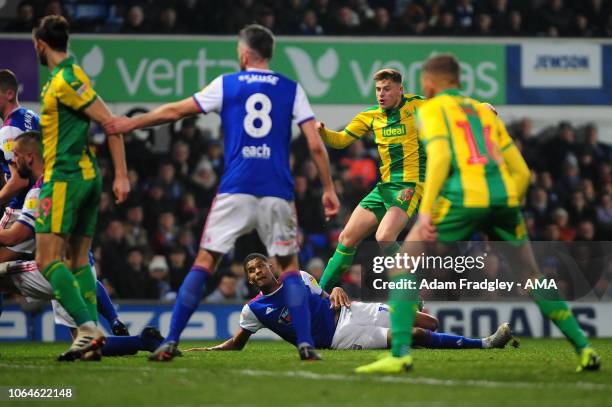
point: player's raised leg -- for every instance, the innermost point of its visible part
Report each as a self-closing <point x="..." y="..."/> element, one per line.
<point x="361" y="223"/>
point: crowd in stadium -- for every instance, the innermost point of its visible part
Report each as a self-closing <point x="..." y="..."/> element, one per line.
<point x="514" y="18"/>
<point x="145" y="247"/>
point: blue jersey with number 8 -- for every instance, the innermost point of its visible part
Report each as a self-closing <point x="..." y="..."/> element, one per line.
<point x="257" y="109"/>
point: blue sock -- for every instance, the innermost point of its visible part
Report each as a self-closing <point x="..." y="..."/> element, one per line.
<point x="187" y="301"/>
<point x="447" y="341"/>
<point x="122" y="345"/>
<point x="297" y="302"/>
<point x="105" y="305"/>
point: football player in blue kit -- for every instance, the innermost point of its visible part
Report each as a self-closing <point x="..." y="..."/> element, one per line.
<point x="257" y="108"/>
<point x="337" y="323"/>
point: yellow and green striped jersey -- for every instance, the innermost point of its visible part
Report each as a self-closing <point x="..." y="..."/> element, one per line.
<point x="395" y="134"/>
<point x="65" y="126"/>
<point x="478" y="176"/>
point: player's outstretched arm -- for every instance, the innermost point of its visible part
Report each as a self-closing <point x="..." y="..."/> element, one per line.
<point x="99" y="112"/>
<point x="237" y="342"/>
<point x="331" y="204"/>
<point x="13" y="186"/>
<point x="168" y="113"/>
<point x="17" y="233"/>
<point x="334" y="139"/>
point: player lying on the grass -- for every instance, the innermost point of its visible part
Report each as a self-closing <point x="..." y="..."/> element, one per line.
<point x="475" y="181"/>
<point x="24" y="278"/>
<point x="337" y="323"/>
<point x="390" y="205"/>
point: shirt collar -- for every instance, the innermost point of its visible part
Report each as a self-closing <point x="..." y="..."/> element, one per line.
<point x="66" y="62"/>
<point x="450" y="92"/>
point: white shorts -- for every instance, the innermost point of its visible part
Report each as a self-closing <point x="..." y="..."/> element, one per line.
<point x="8" y="219"/>
<point x="35" y="287"/>
<point x="362" y="326"/>
<point x="234" y="215"/>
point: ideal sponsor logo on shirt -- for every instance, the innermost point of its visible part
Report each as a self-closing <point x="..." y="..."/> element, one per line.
<point x="394" y="131"/>
<point x="251" y="78"/>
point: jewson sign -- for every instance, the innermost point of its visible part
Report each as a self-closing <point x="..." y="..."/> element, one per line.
<point x="569" y="65"/>
<point x="331" y="71"/>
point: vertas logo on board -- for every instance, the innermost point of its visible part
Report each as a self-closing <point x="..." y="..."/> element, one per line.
<point x="143" y="70"/>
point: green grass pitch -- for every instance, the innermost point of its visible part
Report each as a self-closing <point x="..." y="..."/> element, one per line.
<point x="540" y="373"/>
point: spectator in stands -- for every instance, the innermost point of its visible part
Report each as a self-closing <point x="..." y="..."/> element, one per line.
<point x="178" y="266"/>
<point x="113" y="252"/>
<point x="585" y="231"/>
<point x="310" y="24"/>
<point x="555" y="17"/>
<point x="106" y="211"/>
<point x="180" y="160"/>
<point x="160" y="285"/>
<point x="351" y="281"/>
<point x="465" y="12"/>
<point x="291" y="18"/>
<point x="604" y="216"/>
<point x="133" y="229"/>
<point x="134" y="281"/>
<point x="168" y="23"/>
<point x="515" y="25"/>
<point x="445" y="26"/>
<point x="382" y="24"/>
<point x="484" y="26"/>
<point x="560" y="217"/>
<point x="134" y="21"/>
<point x="539" y="207"/>
<point x="500" y="15"/>
<point x="582" y="28"/>
<point x="166" y="234"/>
<point x="413" y="21"/>
<point x="267" y="19"/>
<point x="25" y="18"/>
<point x="173" y="189"/>
<point x="599" y="151"/>
<point x="203" y="183"/>
<point x="227" y="291"/>
<point x="347" y="22"/>
<point x="325" y="14"/>
<point x="578" y="210"/>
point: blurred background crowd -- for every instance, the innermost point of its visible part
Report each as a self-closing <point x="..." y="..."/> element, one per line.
<point x="513" y="18"/>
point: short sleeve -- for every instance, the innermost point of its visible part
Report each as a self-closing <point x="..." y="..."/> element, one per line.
<point x="210" y="99"/>
<point x="248" y="320"/>
<point x="311" y="283"/>
<point x="302" y="111"/>
<point x="432" y="123"/>
<point x="7" y="140"/>
<point x="74" y="90"/>
<point x="30" y="208"/>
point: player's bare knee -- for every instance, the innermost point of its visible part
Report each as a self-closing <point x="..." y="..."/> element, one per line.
<point x="206" y="259"/>
<point x="384" y="235"/>
<point x="348" y="239"/>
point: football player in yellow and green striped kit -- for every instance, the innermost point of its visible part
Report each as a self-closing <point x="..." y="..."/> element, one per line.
<point x="395" y="198"/>
<point x="72" y="184"/>
<point x="475" y="180"/>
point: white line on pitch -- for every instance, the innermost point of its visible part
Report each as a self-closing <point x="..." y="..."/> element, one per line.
<point x="424" y="380"/>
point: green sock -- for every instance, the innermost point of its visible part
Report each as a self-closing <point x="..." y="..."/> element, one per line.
<point x="66" y="291"/>
<point x="337" y="265"/>
<point x="87" y="285"/>
<point x="391" y="249"/>
<point x="554" y="307"/>
<point x="403" y="303"/>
